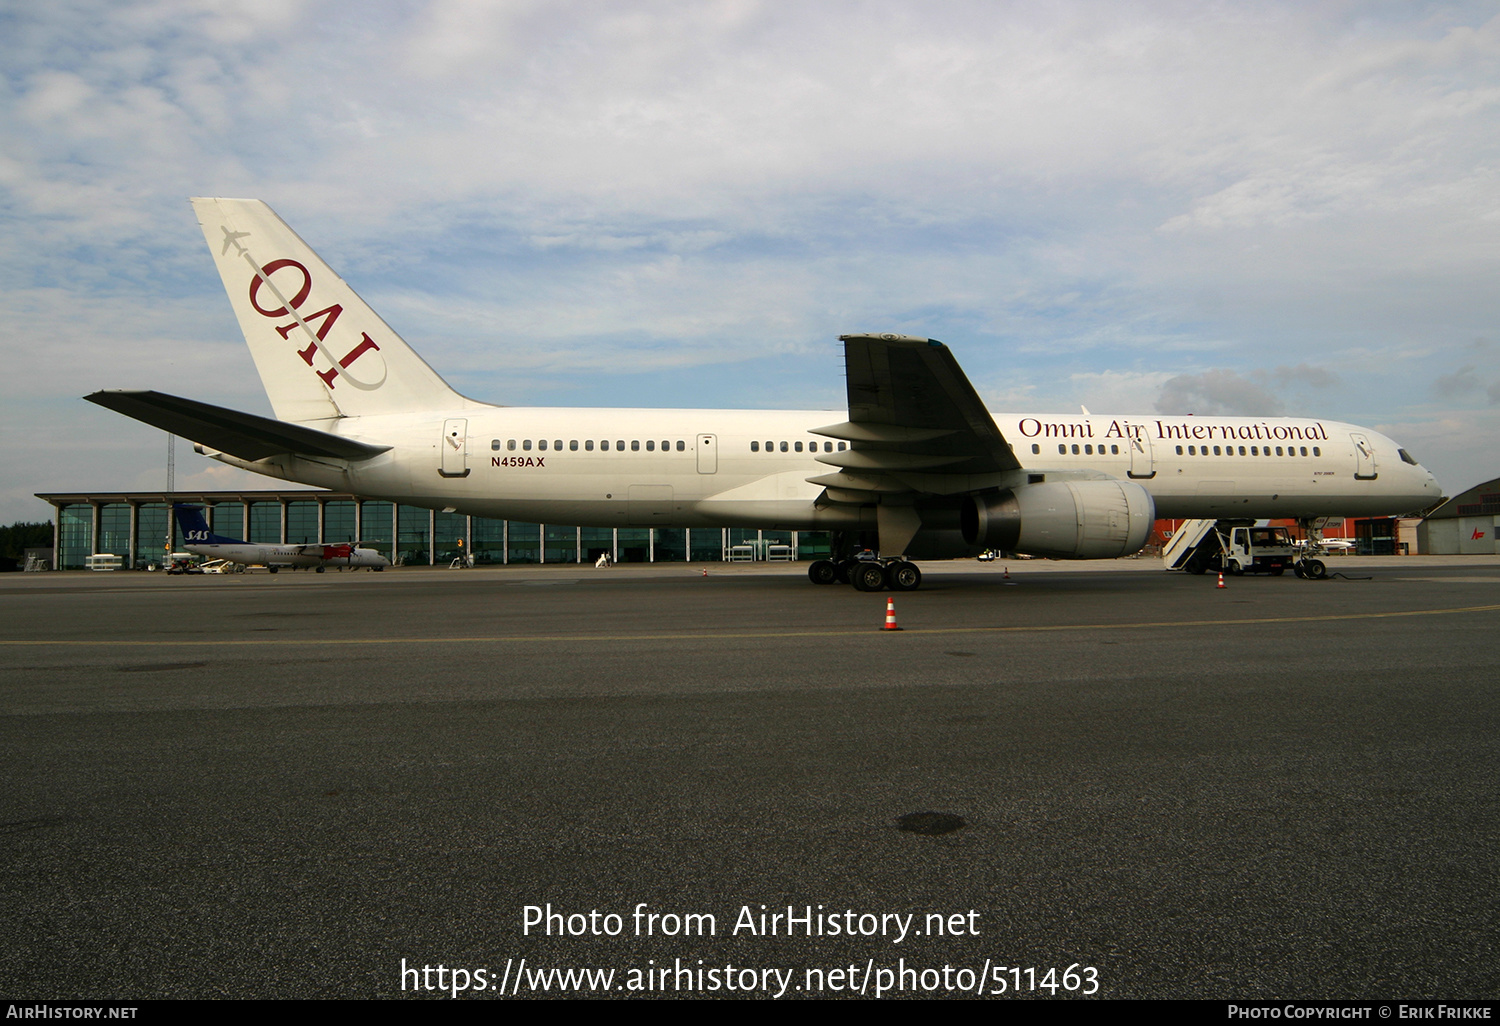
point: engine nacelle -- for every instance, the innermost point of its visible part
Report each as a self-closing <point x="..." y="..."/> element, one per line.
<point x="1062" y="519"/>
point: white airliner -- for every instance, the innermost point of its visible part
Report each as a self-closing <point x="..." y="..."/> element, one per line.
<point x="918" y="467"/>
<point x="199" y="539"/>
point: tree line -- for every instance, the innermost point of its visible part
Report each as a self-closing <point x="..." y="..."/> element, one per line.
<point x="18" y="537"/>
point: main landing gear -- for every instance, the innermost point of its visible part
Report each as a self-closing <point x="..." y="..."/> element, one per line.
<point x="867" y="574"/>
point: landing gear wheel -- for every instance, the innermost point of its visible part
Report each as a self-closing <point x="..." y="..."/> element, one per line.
<point x="842" y="569"/>
<point x="822" y="571"/>
<point x="1314" y="570"/>
<point x="320" y="569"/>
<point x="272" y="569"/>
<point x="867" y="577"/>
<point x="904" y="576"/>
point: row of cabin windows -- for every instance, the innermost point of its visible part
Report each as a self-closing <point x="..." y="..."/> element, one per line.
<point x="1192" y="450"/>
<point x="1263" y="450"/>
<point x="794" y="446"/>
<point x="1062" y="449"/>
<point x="588" y="445"/>
<point x="1088" y="450"/>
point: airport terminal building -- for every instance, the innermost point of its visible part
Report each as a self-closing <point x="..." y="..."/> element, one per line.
<point x="134" y="527"/>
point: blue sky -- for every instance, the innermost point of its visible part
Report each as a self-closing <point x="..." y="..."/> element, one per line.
<point x="1213" y="208"/>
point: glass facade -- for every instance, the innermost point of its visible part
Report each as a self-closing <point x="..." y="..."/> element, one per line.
<point x="228" y="519"/>
<point x="775" y="545"/>
<point x="375" y="526"/>
<point x="414" y="535"/>
<point x="596" y="541"/>
<point x="413" y="531"/>
<point x="562" y="544"/>
<point x="151" y="534"/>
<point x="114" y="529"/>
<point x="744" y="544"/>
<point x="488" y="538"/>
<point x="338" y="522"/>
<point x="302" y="523"/>
<point x="814" y="544"/>
<point x="448" y="530"/>
<point x="1375" y="537"/>
<point x="265" y="523"/>
<point x="75" y="529"/>
<point x="525" y="542"/>
<point x="708" y="543"/>
<point x="669" y="545"/>
<point x="634" y="544"/>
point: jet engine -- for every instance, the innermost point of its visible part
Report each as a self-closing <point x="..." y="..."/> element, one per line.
<point x="1061" y="519"/>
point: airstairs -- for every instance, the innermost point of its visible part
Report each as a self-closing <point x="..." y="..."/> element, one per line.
<point x="1192" y="535"/>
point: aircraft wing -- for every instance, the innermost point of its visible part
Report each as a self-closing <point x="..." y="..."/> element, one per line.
<point x="915" y="424"/>
<point x="240" y="434"/>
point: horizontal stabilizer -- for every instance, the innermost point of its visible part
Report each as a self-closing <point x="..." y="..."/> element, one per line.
<point x="239" y="434"/>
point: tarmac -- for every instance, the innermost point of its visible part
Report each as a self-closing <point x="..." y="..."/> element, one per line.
<point x="299" y="785"/>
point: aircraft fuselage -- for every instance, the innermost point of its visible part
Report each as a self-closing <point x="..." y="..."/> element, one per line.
<point x="707" y="468"/>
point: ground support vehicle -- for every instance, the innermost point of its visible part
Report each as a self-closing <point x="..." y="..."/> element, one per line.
<point x="1242" y="546"/>
<point x="1256" y="550"/>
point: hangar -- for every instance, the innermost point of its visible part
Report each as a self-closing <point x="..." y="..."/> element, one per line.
<point x="133" y="526"/>
<point x="1465" y="524"/>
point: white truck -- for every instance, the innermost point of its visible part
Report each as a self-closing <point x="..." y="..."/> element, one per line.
<point x="1257" y="550"/>
<point x="1239" y="547"/>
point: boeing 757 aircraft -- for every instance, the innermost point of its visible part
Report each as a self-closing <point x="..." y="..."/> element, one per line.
<point x="918" y="467"/>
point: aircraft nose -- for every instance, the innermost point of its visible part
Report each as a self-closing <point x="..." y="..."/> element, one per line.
<point x="1429" y="485"/>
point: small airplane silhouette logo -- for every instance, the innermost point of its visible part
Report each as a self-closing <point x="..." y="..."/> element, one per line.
<point x="230" y="239"/>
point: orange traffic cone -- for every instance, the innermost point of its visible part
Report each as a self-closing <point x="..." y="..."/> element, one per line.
<point x="890" y="616"/>
<point x="705" y="571"/>
<point x="1221" y="579"/>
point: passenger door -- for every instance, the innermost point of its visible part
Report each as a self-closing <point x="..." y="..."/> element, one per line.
<point x="1364" y="458"/>
<point x="1142" y="464"/>
<point x="455" y="448"/>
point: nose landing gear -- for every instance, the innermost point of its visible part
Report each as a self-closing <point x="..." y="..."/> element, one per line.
<point x="1309" y="568"/>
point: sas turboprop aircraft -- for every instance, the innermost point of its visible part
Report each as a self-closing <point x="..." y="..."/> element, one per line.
<point x="917" y="468"/>
<point x="200" y="540"/>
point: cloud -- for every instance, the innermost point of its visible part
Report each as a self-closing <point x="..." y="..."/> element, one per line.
<point x="1452" y="386"/>
<point x="1444" y="445"/>
<point x="1119" y="391"/>
<point x="1221" y="392"/>
<point x="1304" y="374"/>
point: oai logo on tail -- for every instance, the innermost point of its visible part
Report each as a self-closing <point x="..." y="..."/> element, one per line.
<point x="371" y="372"/>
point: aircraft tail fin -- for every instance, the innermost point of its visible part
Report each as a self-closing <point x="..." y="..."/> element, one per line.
<point x="320" y="350"/>
<point x="195" y="529"/>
